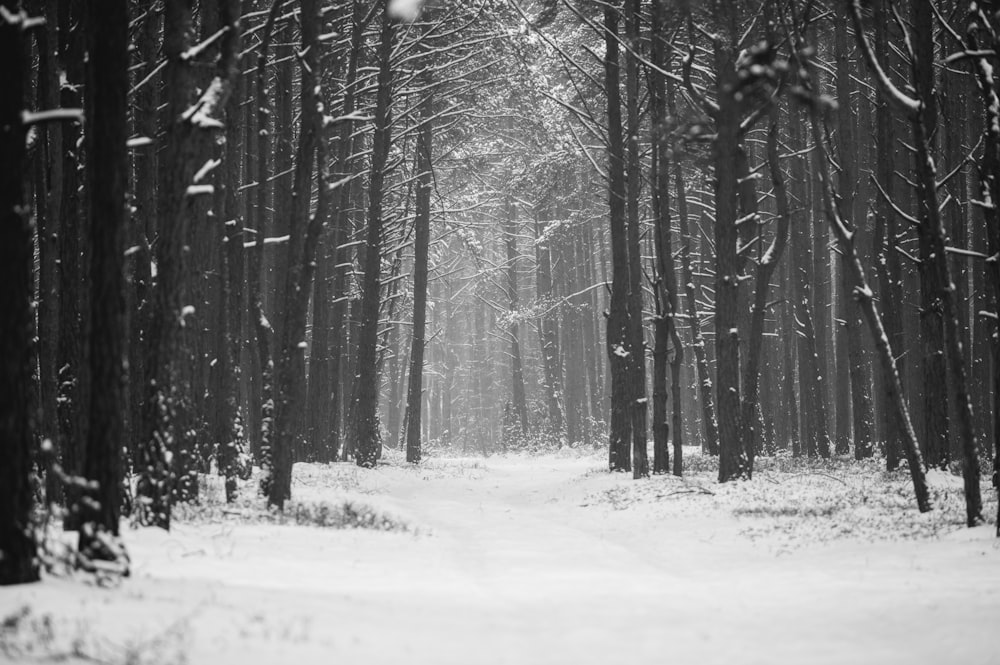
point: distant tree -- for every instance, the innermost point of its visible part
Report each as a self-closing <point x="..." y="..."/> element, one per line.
<point x="422" y="234"/>
<point x="620" y="342"/>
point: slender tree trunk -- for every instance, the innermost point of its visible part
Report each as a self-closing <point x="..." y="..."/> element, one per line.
<point x="704" y="375"/>
<point x="363" y="423"/>
<point x="230" y="434"/>
<point x="74" y="399"/>
<point x="144" y="219"/>
<point x="47" y="198"/>
<point x="422" y="235"/>
<point x="637" y="359"/>
<point x="547" y="326"/>
<point x="619" y="340"/>
<point x="518" y="392"/>
<point x="766" y="266"/>
<point x="666" y="325"/>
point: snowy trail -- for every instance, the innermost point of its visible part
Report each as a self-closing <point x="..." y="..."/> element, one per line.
<point x="515" y="562"/>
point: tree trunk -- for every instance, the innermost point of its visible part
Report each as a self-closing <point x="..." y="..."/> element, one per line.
<point x="304" y="233"/>
<point x="619" y="341"/>
<point x="518" y="393"/>
<point x="733" y="463"/>
<point x="989" y="171"/>
<point x="107" y="178"/>
<point x="766" y="266"/>
<point x="255" y="268"/>
<point x="19" y="561"/>
<point x="363" y="422"/>
<point x="637" y="359"/>
<point x="666" y="325"/>
<point x="74" y="399"/>
<point x="547" y="326"/>
<point x="422" y="235"/>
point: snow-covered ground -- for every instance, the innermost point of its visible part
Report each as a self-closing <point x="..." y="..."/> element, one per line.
<point x="542" y="560"/>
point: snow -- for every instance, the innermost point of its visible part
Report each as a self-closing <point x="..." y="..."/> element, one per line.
<point x="543" y="559"/>
<point x="404" y="10"/>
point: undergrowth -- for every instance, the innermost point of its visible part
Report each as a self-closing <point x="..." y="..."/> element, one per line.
<point x="798" y="501"/>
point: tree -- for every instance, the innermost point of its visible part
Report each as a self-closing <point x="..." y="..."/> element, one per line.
<point x="107" y="85"/>
<point x="421" y="247"/>
<point x="619" y="336"/>
<point x="18" y="561"/>
<point x="363" y="434"/>
<point x="304" y="232"/>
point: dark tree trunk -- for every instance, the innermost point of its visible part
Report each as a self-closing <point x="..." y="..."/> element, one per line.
<point x="230" y="422"/>
<point x="19" y="562"/>
<point x="637" y="359"/>
<point x="255" y="268"/>
<point x="619" y="340"/>
<point x="422" y="236"/>
<point x="989" y="173"/>
<point x="666" y="325"/>
<point x="304" y="232"/>
<point x="733" y="463"/>
<point x="143" y="219"/>
<point x="107" y="177"/>
<point x="766" y="266"/>
<point x="363" y="434"/>
<point x="48" y="181"/>
<point x="74" y="398"/>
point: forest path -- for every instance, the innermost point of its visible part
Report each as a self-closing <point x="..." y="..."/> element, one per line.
<point x="526" y="560"/>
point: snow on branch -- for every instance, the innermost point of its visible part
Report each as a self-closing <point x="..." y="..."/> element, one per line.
<point x="198" y="49"/>
<point x="29" y="118"/>
<point x="205" y="169"/>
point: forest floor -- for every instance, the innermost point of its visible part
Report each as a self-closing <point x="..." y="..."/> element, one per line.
<point x="545" y="559"/>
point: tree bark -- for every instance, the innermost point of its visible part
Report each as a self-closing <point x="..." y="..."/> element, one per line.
<point x="363" y="423"/>
<point x="618" y="338"/>
<point x="422" y="235"/>
<point x="106" y="177"/>
<point x="304" y="232"/>
<point x="733" y="463"/>
<point x="19" y="562"/>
